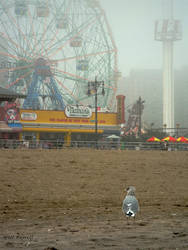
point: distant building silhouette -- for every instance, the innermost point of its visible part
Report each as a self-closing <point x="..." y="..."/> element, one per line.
<point x="148" y="84"/>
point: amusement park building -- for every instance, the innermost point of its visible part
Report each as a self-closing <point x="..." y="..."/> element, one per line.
<point x="75" y="123"/>
<point x="54" y="125"/>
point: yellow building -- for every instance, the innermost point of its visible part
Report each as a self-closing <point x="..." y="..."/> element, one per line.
<point x="75" y="123"/>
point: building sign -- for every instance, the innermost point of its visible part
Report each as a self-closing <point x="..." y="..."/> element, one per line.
<point x="78" y="111"/>
<point x="10" y="118"/>
<point x="59" y="118"/>
<point x="28" y="116"/>
<point x="11" y="113"/>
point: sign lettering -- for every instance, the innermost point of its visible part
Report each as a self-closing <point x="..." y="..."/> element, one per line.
<point x="78" y="111"/>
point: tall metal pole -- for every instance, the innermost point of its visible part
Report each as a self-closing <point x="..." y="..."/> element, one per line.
<point x="168" y="85"/>
<point x="95" y="85"/>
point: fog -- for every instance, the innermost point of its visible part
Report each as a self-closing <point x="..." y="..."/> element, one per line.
<point x="132" y="24"/>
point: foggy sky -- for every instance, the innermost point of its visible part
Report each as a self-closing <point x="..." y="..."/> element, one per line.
<point x="132" y="24"/>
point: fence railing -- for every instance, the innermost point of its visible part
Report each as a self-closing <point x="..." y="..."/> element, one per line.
<point x="108" y="145"/>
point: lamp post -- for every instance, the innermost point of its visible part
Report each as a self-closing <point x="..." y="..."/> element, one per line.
<point x="165" y="126"/>
<point x="177" y="129"/>
<point x="93" y="87"/>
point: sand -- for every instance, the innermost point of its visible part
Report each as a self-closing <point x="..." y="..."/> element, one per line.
<point x="71" y="199"/>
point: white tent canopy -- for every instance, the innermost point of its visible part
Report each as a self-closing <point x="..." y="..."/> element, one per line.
<point x="113" y="137"/>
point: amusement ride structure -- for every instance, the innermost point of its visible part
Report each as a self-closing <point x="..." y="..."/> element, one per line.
<point x="167" y="31"/>
<point x="54" y="48"/>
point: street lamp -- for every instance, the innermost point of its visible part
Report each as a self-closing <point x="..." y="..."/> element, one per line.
<point x="177" y="129"/>
<point x="165" y="126"/>
<point x="93" y="87"/>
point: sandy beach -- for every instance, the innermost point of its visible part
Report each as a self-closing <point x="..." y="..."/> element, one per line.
<point x="70" y="199"/>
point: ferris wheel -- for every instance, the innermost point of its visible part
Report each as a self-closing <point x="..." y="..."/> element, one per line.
<point x="51" y="49"/>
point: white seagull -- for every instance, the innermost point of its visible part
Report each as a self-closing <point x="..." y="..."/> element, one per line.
<point x="130" y="203"/>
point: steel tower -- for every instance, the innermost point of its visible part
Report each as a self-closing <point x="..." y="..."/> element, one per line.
<point x="167" y="31"/>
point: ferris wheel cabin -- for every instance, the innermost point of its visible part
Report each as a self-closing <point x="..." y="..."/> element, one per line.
<point x="61" y="22"/>
<point x="82" y="65"/>
<point x="92" y="3"/>
<point x="20" y="8"/>
<point x="76" y="42"/>
<point x="42" y="9"/>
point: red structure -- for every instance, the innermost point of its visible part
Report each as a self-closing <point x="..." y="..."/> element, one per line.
<point x="120" y="109"/>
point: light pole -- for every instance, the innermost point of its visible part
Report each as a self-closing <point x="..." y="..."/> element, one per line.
<point x="177" y="129"/>
<point x="165" y="126"/>
<point x="93" y="89"/>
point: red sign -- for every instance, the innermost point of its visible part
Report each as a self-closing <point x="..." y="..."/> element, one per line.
<point x="11" y="113"/>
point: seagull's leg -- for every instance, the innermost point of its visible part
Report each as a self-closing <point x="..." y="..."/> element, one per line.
<point x="134" y="219"/>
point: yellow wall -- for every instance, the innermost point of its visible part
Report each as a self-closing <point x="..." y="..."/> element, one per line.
<point x="55" y="117"/>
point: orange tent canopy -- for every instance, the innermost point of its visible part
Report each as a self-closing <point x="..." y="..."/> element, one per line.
<point x="153" y="138"/>
<point x="182" y="139"/>
<point x="169" y="139"/>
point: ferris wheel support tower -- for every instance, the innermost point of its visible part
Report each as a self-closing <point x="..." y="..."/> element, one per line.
<point x="167" y="31"/>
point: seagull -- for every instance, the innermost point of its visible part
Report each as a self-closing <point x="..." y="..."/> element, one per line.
<point x="130" y="203"/>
